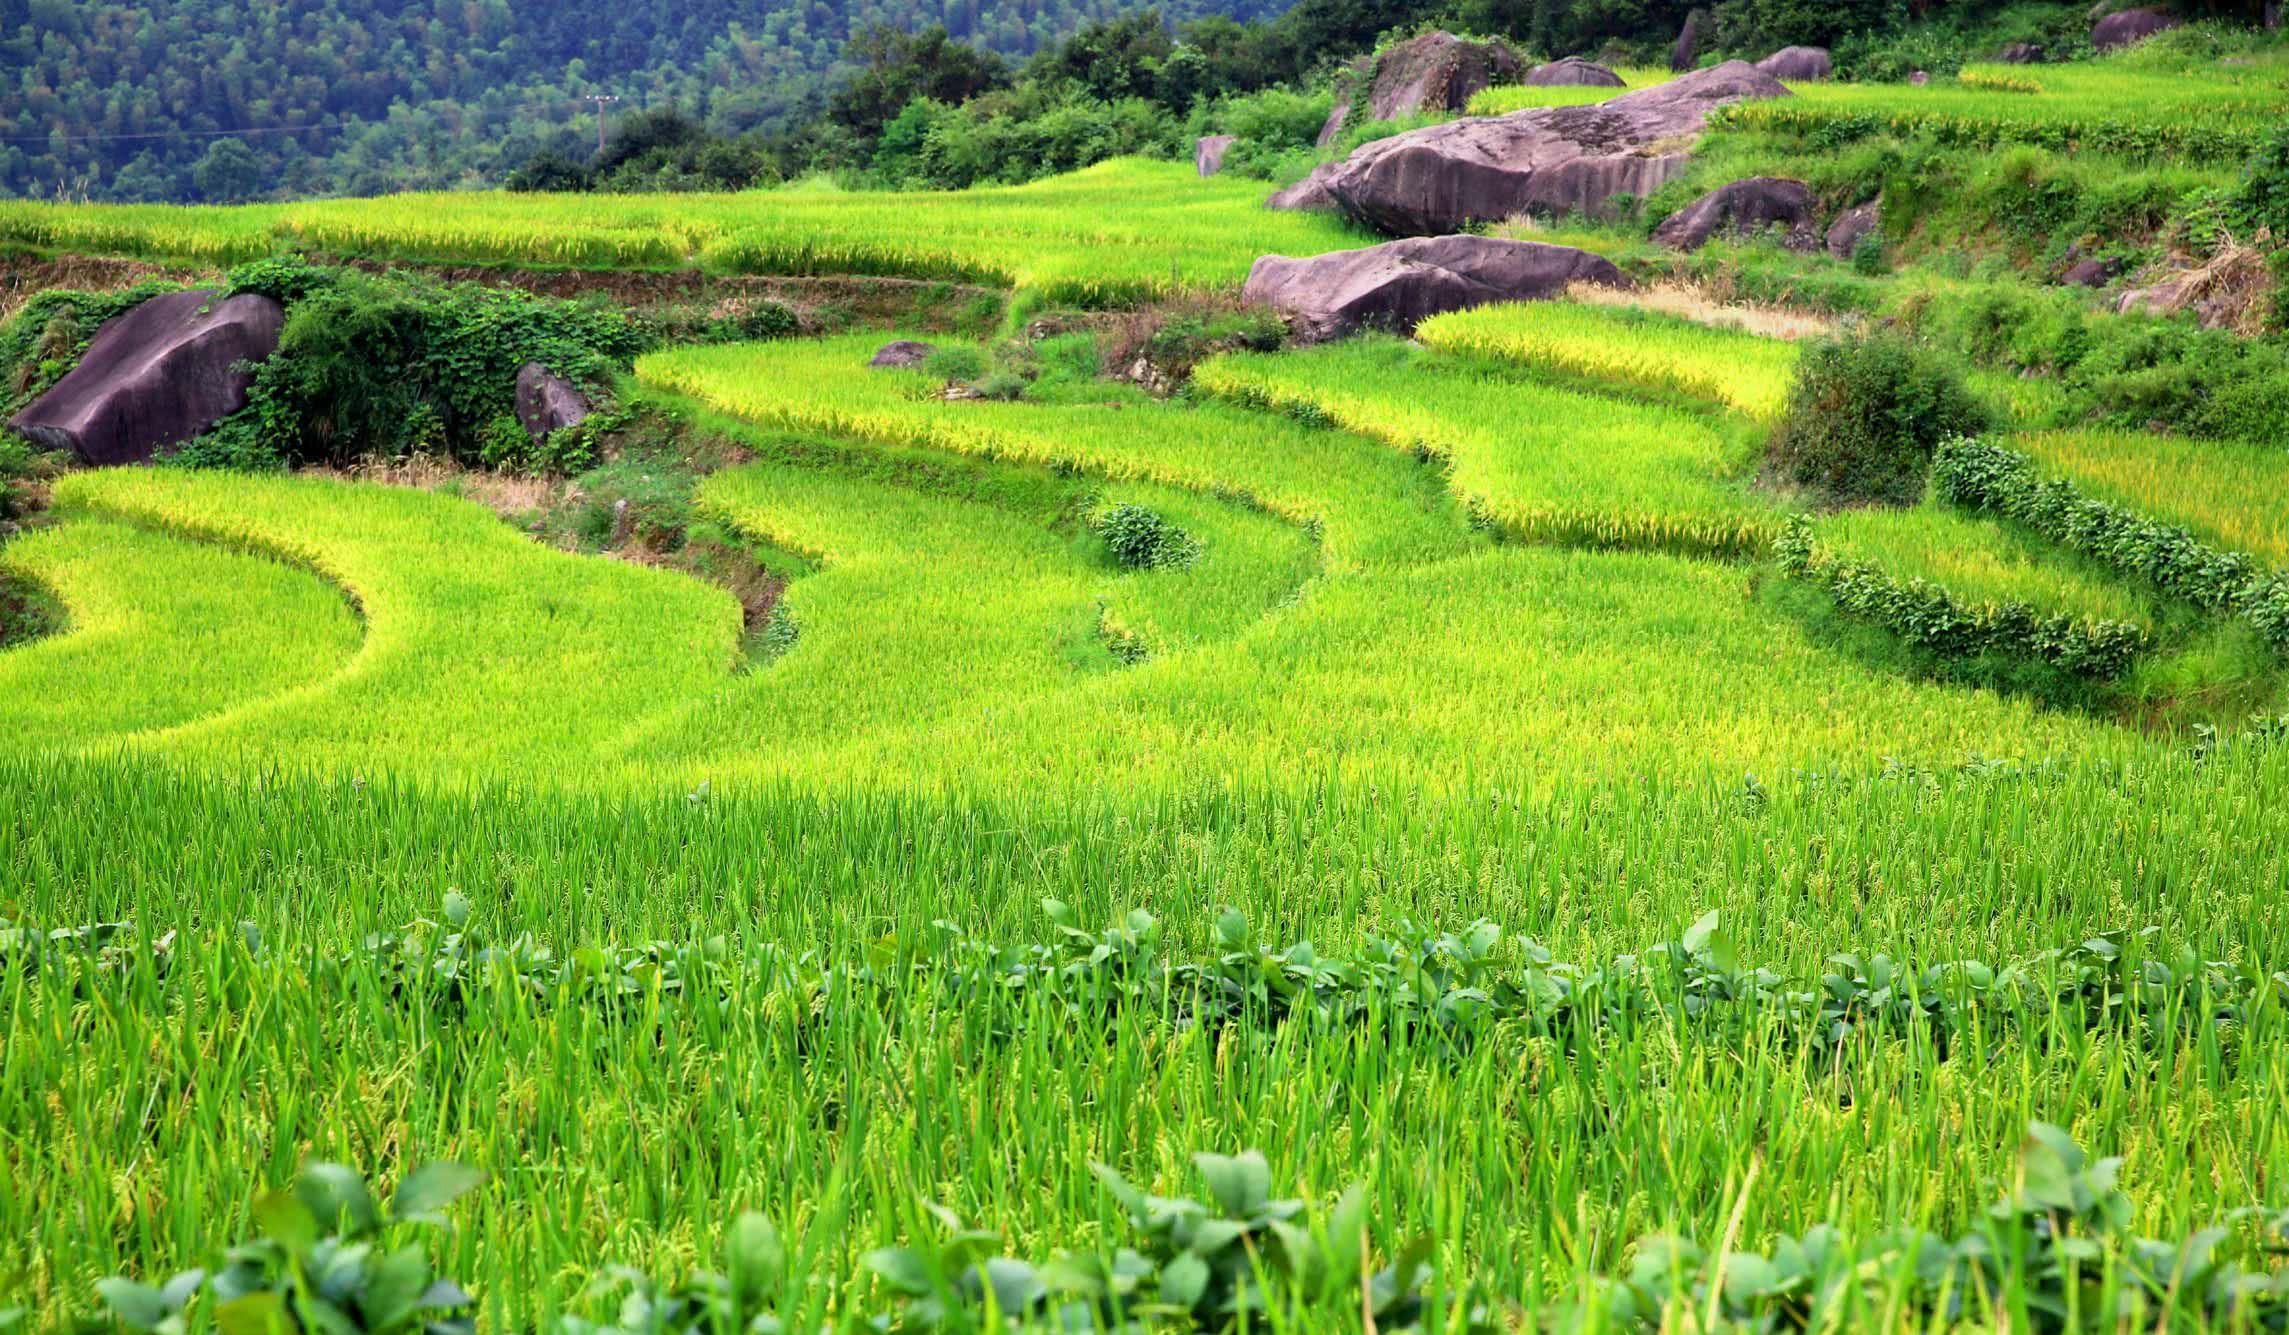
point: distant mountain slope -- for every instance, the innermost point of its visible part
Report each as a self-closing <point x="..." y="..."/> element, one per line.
<point x="128" y="100"/>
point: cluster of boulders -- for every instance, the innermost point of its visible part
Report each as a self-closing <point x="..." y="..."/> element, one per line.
<point x="168" y="369"/>
<point x="1544" y="160"/>
<point x="1428" y="185"/>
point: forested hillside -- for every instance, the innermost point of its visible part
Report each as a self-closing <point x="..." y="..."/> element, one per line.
<point x="230" y="100"/>
<point x="224" y="99"/>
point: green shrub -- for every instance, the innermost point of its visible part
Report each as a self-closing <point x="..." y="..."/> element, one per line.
<point x="1865" y="414"/>
<point x="236" y="444"/>
<point x="395" y="363"/>
<point x="956" y="363"/>
<point x="1141" y="539"/>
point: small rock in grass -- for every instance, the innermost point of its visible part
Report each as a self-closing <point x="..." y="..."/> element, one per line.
<point x="1798" y="63"/>
<point x="901" y="354"/>
<point x="1208" y="153"/>
<point x="1853" y="226"/>
<point x="547" y="402"/>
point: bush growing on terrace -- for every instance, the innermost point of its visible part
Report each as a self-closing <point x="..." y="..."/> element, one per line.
<point x="1866" y="412"/>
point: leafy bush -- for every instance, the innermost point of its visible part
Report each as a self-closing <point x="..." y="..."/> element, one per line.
<point x="1140" y="539"/>
<point x="1865" y="413"/>
<point x="2059" y="1242"/>
<point x="320" y="1265"/>
<point x="955" y="363"/>
<point x="1420" y="982"/>
<point x="1926" y="616"/>
<point x="23" y="468"/>
<point x="395" y="363"/>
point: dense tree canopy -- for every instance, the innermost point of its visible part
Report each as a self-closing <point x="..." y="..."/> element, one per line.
<point x="238" y="99"/>
<point x="127" y="99"/>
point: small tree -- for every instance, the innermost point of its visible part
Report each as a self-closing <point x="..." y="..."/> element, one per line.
<point x="1866" y="413"/>
<point x="229" y="171"/>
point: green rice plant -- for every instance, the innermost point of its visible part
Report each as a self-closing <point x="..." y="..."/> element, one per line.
<point x="1982" y="562"/>
<point x="2152" y="104"/>
<point x="1119" y="231"/>
<point x="1371" y="506"/>
<point x="1627" y="348"/>
<point x="1533" y="461"/>
<point x="2209" y="487"/>
<point x="1930" y="617"/>
<point x="163" y="633"/>
<point x="542" y="651"/>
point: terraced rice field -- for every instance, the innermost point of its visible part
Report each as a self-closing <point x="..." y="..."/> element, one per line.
<point x="2157" y="101"/>
<point x="1471" y="641"/>
<point x="1115" y="232"/>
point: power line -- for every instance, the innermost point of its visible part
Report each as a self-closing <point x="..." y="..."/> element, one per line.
<point x="174" y="134"/>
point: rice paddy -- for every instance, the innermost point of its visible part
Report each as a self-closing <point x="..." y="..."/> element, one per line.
<point x="1016" y="849"/>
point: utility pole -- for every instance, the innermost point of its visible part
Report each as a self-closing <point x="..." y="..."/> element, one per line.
<point x="601" y="100"/>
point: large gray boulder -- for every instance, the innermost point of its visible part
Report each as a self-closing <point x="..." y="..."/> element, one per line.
<point x="1687" y="51"/>
<point x="547" y="402"/>
<point x="1544" y="160"/>
<point x="1573" y="72"/>
<point x="1399" y="284"/>
<point x="2129" y="27"/>
<point x="1853" y="226"/>
<point x="154" y="376"/>
<point x="1208" y="153"/>
<point x="1798" y="64"/>
<point x="1308" y="195"/>
<point x="1437" y="71"/>
<point x="1749" y="208"/>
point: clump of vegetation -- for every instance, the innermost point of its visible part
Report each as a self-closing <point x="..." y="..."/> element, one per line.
<point x="1141" y="539"/>
<point x="24" y="472"/>
<point x="321" y="1262"/>
<point x="396" y="363"/>
<point x="27" y="611"/>
<point x="1866" y="412"/>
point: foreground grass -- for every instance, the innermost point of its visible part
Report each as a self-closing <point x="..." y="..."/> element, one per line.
<point x="145" y="1116"/>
